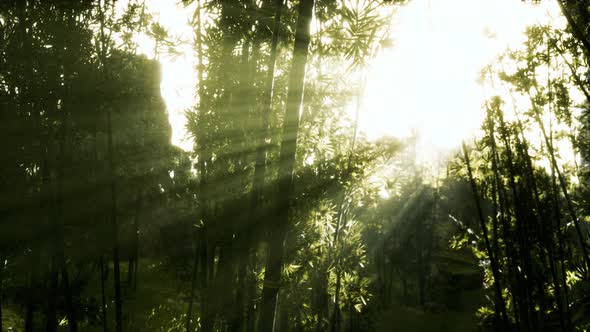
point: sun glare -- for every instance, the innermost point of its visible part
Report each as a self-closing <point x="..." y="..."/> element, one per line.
<point x="427" y="83"/>
<point x="178" y="73"/>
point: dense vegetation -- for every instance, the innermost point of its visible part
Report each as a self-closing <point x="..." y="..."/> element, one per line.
<point x="284" y="216"/>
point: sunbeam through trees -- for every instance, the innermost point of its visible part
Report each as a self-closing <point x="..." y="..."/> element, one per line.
<point x="294" y="165"/>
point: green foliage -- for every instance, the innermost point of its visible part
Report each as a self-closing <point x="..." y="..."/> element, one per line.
<point x="372" y="241"/>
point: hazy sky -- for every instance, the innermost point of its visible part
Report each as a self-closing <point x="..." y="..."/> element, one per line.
<point x="426" y="82"/>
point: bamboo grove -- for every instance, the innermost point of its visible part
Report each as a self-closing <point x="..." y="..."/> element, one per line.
<point x="283" y="216"/>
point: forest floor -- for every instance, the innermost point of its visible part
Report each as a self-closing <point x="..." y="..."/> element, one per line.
<point x="161" y="299"/>
<point x="403" y="319"/>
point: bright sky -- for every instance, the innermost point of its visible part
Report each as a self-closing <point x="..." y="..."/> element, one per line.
<point x="426" y="82"/>
<point x="178" y="73"/>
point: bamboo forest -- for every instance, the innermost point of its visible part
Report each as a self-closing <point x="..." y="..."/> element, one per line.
<point x="294" y="165"/>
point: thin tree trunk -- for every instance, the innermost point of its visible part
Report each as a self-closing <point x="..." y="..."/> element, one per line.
<point x="251" y="294"/>
<point x="237" y="323"/>
<point x="500" y="304"/>
<point x="114" y="227"/>
<point x="59" y="216"/>
<point x="114" y="232"/>
<point x="388" y="280"/>
<point x="189" y="313"/>
<point x="561" y="250"/>
<point x="258" y="183"/>
<point x="508" y="248"/>
<point x="335" y="321"/>
<point x="27" y="103"/>
<point x="103" y="294"/>
<point x="430" y="243"/>
<point x="577" y="31"/>
<point x="30" y="307"/>
<point x="547" y="235"/>
<point x="97" y="213"/>
<point x="51" y="312"/>
<point x="202" y="251"/>
<point x="420" y="264"/>
<point x="563" y="185"/>
<point x="226" y="235"/>
<point x="532" y="195"/>
<point x="350" y="317"/>
<point x="2" y="266"/>
<point x="283" y="317"/>
<point x="70" y="310"/>
<point x="243" y="228"/>
<point x="527" y="311"/>
<point x="134" y="256"/>
<point x="272" y="277"/>
<point x="206" y="268"/>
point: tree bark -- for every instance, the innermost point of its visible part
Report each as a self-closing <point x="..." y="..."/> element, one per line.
<point x="60" y="215"/>
<point x="563" y="185"/>
<point x="27" y="103"/>
<point x="134" y="256"/>
<point x="261" y="146"/>
<point x="525" y="305"/>
<point x="576" y="28"/>
<point x="103" y="294"/>
<point x="501" y="202"/>
<point x="114" y="227"/>
<point x="30" y="307"/>
<point x="420" y="263"/>
<point x="2" y="265"/>
<point x="257" y="215"/>
<point x="189" y="313"/>
<point x="272" y="277"/>
<point x="114" y="231"/>
<point x="500" y="304"/>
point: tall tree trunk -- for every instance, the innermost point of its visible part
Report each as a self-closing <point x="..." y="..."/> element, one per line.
<point x="563" y="185"/>
<point x="30" y="306"/>
<point x="546" y="234"/>
<point x="561" y="272"/>
<point x="283" y="316"/>
<point x="261" y="146"/>
<point x="2" y="265"/>
<point x="251" y="294"/>
<point x="526" y="305"/>
<point x="134" y="256"/>
<point x="202" y="250"/>
<point x="51" y="312"/>
<point x="70" y="309"/>
<point x="272" y="277"/>
<point x="420" y="263"/>
<point x="114" y="227"/>
<point x="258" y="182"/>
<point x="26" y="101"/>
<point x="189" y="313"/>
<point x="206" y="267"/>
<point x="224" y="282"/>
<point x="430" y="241"/>
<point x="97" y="218"/>
<point x="499" y="302"/>
<point x="63" y="153"/>
<point x="502" y="202"/>
<point x="243" y="229"/>
<point x="530" y="197"/>
<point x="577" y="27"/>
<point x="103" y="277"/>
<point x="336" y="319"/>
